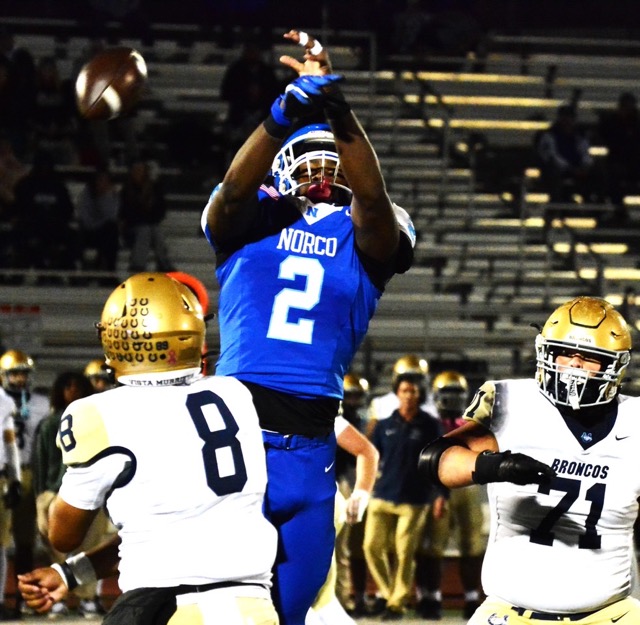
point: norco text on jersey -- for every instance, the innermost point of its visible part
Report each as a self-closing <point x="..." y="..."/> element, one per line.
<point x="302" y="242"/>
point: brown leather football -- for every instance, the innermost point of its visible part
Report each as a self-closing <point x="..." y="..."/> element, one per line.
<point x="111" y="83"/>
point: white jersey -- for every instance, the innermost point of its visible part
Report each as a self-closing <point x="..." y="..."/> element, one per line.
<point x="37" y="408"/>
<point x="6" y="422"/>
<point x="567" y="547"/>
<point x="183" y="472"/>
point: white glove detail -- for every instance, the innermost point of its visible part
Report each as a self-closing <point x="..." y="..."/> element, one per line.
<point x="356" y="506"/>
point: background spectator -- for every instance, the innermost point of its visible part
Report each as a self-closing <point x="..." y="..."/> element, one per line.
<point x="98" y="206"/>
<point x="44" y="211"/>
<point x="130" y="15"/>
<point x="55" y="112"/>
<point x="142" y="211"/>
<point x="249" y="86"/>
<point x="566" y="166"/>
<point x="620" y="133"/>
<point x="17" y="95"/>
<point x="12" y="170"/>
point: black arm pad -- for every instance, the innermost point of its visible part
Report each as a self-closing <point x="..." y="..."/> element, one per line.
<point x="430" y="457"/>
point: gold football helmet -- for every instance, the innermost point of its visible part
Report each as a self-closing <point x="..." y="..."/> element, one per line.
<point x="592" y="327"/>
<point x="356" y="389"/>
<point x="355" y="384"/>
<point x="100" y="376"/>
<point x="96" y="368"/>
<point x="410" y="366"/>
<point x="450" y="393"/>
<point x="14" y="360"/>
<point x="152" y="331"/>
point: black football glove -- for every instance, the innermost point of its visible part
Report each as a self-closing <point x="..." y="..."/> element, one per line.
<point x="507" y="467"/>
<point x="13" y="495"/>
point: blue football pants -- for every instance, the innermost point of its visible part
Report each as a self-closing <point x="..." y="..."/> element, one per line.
<point x="299" y="502"/>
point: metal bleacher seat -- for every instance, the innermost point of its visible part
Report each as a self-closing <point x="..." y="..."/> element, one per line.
<point x="480" y="278"/>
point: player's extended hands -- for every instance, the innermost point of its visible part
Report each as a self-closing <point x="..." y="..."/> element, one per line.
<point x="316" y="58"/>
<point x="314" y="90"/>
<point x="305" y="95"/>
<point x="41" y="588"/>
<point x="507" y="467"/>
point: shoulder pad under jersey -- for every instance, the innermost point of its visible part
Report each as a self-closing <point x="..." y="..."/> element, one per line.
<point x="82" y="434"/>
<point x="405" y="223"/>
<point x="481" y="407"/>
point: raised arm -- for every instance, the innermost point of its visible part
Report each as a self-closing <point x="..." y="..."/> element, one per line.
<point x="227" y="208"/>
<point x="241" y="182"/>
<point x="376" y="227"/>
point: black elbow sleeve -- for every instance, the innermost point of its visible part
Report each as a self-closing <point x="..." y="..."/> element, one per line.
<point x="429" y="460"/>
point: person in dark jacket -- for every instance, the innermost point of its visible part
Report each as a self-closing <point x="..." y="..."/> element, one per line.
<point x="400" y="503"/>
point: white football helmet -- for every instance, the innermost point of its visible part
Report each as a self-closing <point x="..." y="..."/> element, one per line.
<point x="593" y="328"/>
<point x="308" y="164"/>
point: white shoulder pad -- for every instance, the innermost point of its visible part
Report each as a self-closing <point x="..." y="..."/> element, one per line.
<point x="405" y="223"/>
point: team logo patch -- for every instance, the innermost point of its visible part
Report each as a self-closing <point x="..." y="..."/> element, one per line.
<point x="315" y="212"/>
<point x="494" y="619"/>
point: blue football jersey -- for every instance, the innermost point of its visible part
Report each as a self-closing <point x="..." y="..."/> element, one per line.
<point x="295" y="305"/>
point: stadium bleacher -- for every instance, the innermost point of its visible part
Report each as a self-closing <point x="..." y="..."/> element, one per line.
<point x="486" y="266"/>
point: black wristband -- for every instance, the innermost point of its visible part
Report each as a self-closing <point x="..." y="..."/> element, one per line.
<point x="72" y="582"/>
<point x="335" y="104"/>
<point x="274" y="129"/>
<point x="487" y="465"/>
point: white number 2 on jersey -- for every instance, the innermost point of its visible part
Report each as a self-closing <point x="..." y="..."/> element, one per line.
<point x="300" y="331"/>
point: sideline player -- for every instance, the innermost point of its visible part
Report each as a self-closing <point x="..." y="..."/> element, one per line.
<point x="99" y="375"/>
<point x="11" y="488"/>
<point x="178" y="459"/>
<point x="560" y="458"/>
<point x="349" y="511"/>
<point x="462" y="515"/>
<point x="30" y="408"/>
<point x="302" y="258"/>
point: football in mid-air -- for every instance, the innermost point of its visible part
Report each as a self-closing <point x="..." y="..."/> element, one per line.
<point x="111" y="83"/>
